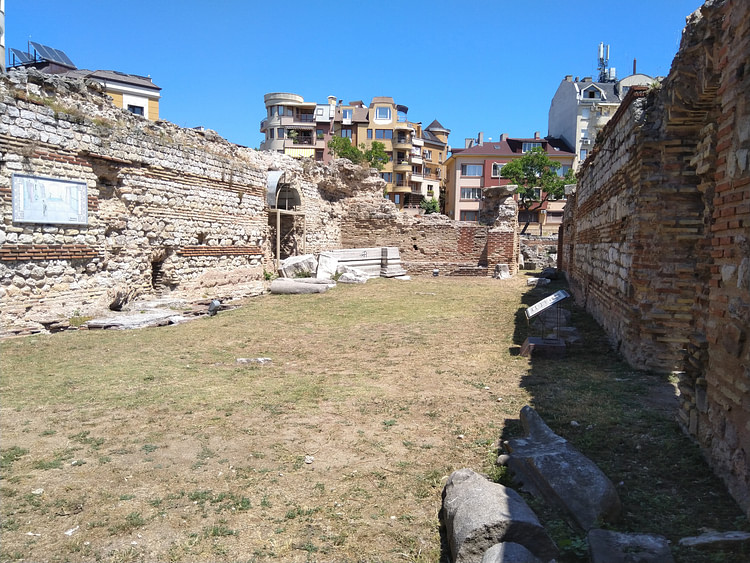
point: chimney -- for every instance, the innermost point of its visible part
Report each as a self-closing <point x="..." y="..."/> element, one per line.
<point x="634" y="66"/>
<point x="503" y="136"/>
<point x="468" y="143"/>
<point x="537" y="135"/>
<point x="480" y="138"/>
<point x="569" y="77"/>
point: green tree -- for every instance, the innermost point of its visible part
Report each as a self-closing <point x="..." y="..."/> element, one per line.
<point x="430" y="206"/>
<point x="376" y="155"/>
<point x="537" y="179"/>
<point x="342" y="147"/>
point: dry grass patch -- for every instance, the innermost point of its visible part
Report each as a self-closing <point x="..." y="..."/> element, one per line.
<point x="156" y="445"/>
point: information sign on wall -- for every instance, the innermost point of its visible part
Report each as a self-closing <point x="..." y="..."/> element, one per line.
<point x="49" y="200"/>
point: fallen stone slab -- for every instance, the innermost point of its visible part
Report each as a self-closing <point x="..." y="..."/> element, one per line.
<point x="348" y="277"/>
<point x="137" y="320"/>
<point x="282" y="286"/>
<point x="315" y="281"/>
<point x="537" y="281"/>
<point x="614" y="547"/>
<point x="327" y="264"/>
<point x="305" y="264"/>
<point x="717" y="539"/>
<point x="479" y="514"/>
<point x="548" y="467"/>
<point x="509" y="552"/>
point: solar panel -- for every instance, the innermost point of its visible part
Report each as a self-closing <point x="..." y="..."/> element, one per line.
<point x="22" y="57"/>
<point x="52" y="55"/>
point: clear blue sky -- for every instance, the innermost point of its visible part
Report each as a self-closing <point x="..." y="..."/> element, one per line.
<point x="478" y="65"/>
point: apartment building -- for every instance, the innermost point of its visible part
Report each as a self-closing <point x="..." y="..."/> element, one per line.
<point x="479" y="165"/>
<point x="132" y="92"/>
<point x="415" y="168"/>
<point x="581" y="108"/>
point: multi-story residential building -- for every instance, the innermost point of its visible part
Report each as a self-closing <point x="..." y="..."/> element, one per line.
<point x="137" y="94"/>
<point x="416" y="155"/>
<point x="479" y="164"/>
<point x="581" y="108"/>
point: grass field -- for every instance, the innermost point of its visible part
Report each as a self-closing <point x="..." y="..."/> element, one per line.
<point x="157" y="445"/>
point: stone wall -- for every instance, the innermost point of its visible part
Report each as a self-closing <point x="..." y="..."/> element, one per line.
<point x="656" y="240"/>
<point x="172" y="209"/>
<point x="166" y="205"/>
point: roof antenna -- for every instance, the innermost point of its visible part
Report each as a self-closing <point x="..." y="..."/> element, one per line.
<point x="604" y="74"/>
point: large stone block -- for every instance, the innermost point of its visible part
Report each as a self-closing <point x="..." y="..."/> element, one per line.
<point x="479" y="514"/>
<point x="549" y="467"/>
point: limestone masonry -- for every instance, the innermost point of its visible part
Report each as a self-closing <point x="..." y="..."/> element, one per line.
<point x="173" y="209"/>
<point x="656" y="239"/>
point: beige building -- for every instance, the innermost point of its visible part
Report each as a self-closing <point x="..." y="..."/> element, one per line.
<point x="415" y="168"/>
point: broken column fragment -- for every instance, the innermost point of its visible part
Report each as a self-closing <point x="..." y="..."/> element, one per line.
<point x="547" y="466"/>
<point x="478" y="514"/>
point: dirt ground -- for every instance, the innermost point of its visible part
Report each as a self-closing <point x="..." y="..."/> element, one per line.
<point x="156" y="444"/>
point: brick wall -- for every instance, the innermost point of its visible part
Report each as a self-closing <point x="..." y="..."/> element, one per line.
<point x="656" y="240"/>
<point x="160" y="200"/>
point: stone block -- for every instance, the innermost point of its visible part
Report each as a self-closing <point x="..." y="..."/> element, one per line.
<point x="479" y="514"/>
<point x="547" y="466"/>
<point x="614" y="547"/>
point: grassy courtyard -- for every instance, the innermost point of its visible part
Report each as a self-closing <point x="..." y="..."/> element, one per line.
<point x="158" y="445"/>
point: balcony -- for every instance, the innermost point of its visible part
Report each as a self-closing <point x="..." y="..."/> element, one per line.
<point x="263" y="125"/>
<point x="417" y="142"/>
<point x="402" y="166"/>
<point x="402" y="142"/>
<point x="415" y="158"/>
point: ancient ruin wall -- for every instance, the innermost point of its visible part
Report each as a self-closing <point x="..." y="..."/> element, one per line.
<point x="166" y="206"/>
<point x="656" y="241"/>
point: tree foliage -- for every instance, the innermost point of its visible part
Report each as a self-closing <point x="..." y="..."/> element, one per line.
<point x="342" y="147"/>
<point x="536" y="170"/>
<point x="430" y="206"/>
<point x="376" y="155"/>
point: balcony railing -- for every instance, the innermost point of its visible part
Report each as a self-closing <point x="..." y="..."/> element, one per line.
<point x="305" y="117"/>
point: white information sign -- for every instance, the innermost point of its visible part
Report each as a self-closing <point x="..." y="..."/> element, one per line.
<point x="545" y="303"/>
<point x="49" y="200"/>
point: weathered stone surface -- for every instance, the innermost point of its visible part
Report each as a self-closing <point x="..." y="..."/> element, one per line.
<point x="305" y="264"/>
<point x="350" y="277"/>
<point x="549" y="467"/>
<point x="282" y="286"/>
<point x="606" y="546"/>
<point x="479" y="514"/>
<point x="509" y="552"/>
<point x="327" y="264"/>
<point x="502" y="272"/>
<point x="537" y="281"/>
<point x="717" y="540"/>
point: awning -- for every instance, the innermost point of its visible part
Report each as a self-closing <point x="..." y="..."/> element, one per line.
<point x="300" y="152"/>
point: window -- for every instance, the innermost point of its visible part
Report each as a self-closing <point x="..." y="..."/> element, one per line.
<point x="369" y="133"/>
<point x="347" y="113"/>
<point x="383" y="133"/>
<point x="585" y="113"/>
<point x="427" y="154"/>
<point x="537" y="193"/>
<point x="469" y="216"/>
<point x="440" y="157"/>
<point x="318" y="111"/>
<point x="280" y="110"/>
<point x="137" y="110"/>
<point x="382" y="113"/>
<point x="471" y="170"/>
<point x="526" y="147"/>
<point x="270" y="133"/>
<point x="280" y="132"/>
<point x="396" y="198"/>
<point x="319" y="155"/>
<point x="592" y="94"/>
<point x="320" y="134"/>
<point x="471" y="193"/>
<point x="387" y="176"/>
<point x="400" y="156"/>
<point x="346" y="132"/>
<point x="399" y="179"/>
<point x="563" y="170"/>
<point x="496" y="169"/>
<point x="427" y="170"/>
<point x="584" y="153"/>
